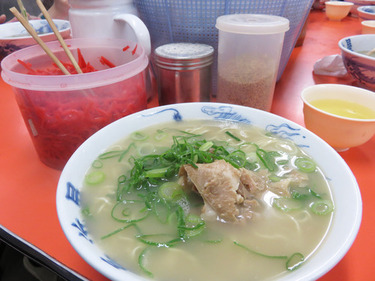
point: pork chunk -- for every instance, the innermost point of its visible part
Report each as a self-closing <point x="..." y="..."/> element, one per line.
<point x="226" y="191"/>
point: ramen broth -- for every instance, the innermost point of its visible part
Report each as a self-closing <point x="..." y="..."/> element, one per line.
<point x="254" y="249"/>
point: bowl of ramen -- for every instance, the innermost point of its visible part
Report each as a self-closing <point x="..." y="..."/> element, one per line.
<point x="359" y="59"/>
<point x="208" y="191"/>
<point x="13" y="36"/>
<point x="342" y="115"/>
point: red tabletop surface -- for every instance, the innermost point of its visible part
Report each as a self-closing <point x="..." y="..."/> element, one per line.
<point x="28" y="187"/>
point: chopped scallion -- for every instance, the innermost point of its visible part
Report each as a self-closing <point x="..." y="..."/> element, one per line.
<point x="322" y="207"/>
<point x="95" y="178"/>
<point x="295" y="261"/>
<point x="300" y="192"/>
<point x="287" y="204"/>
<point x="156" y="173"/>
<point x="138" y="136"/>
<point x="232" y="136"/>
<point x="305" y="164"/>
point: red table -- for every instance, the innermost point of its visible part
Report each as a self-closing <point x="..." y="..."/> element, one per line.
<point x="28" y="217"/>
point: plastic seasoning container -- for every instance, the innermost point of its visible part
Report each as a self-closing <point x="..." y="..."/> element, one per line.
<point x="249" y="52"/>
<point x="184" y="72"/>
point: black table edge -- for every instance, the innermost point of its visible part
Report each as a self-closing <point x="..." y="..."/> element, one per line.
<point x="38" y="255"/>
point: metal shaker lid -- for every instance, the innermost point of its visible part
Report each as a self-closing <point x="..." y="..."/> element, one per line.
<point x="179" y="56"/>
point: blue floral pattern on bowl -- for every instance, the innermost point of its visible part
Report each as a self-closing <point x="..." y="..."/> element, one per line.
<point x="13" y="36"/>
<point x="360" y="66"/>
<point x="366" y="12"/>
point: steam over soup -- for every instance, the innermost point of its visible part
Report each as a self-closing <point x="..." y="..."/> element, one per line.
<point x="206" y="201"/>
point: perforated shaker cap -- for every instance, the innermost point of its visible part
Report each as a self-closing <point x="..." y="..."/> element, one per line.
<point x="252" y="24"/>
<point x="179" y="56"/>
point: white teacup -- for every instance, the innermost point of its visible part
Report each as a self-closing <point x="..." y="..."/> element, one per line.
<point x="108" y="19"/>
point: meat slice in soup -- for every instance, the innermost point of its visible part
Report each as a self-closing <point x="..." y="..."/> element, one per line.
<point x="228" y="193"/>
<point x="292" y="178"/>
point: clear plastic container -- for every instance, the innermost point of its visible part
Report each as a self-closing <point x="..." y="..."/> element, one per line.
<point x="62" y="111"/>
<point x="249" y="51"/>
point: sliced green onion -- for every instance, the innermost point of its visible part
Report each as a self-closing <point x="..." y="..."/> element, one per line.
<point x="95" y="178"/>
<point x="295" y="261"/>
<point x="287" y="204"/>
<point x="159" y="240"/>
<point x="138" y="136"/>
<point x="97" y="164"/>
<point x="300" y="193"/>
<point x="315" y="194"/>
<point x="126" y="151"/>
<point x="232" y="136"/>
<point x="162" y="210"/>
<point x="180" y="222"/>
<point x="86" y="212"/>
<point x="145" y="149"/>
<point x="257" y="253"/>
<point x="160" y="134"/>
<point x="170" y="191"/>
<point x="282" y="162"/>
<point x="206" y="146"/>
<point x="305" y="164"/>
<point x="267" y="159"/>
<point x="119" y="230"/>
<point x="129" y="211"/>
<point x="156" y="173"/>
<point x="110" y="154"/>
<point x="194" y="225"/>
<point x="322" y="207"/>
<point x="141" y="262"/>
<point x="274" y="178"/>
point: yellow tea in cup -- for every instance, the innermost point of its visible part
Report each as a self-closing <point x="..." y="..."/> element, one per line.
<point x="344" y="108"/>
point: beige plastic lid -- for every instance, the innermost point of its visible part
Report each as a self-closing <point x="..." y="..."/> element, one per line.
<point x="252" y="24"/>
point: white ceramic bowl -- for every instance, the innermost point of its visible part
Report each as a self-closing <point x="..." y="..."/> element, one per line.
<point x="345" y="191"/>
<point x="13" y="36"/>
<point x="366" y="12"/>
<point x="359" y="3"/>
<point x="368" y="27"/>
<point x="360" y="66"/>
<point x="337" y="10"/>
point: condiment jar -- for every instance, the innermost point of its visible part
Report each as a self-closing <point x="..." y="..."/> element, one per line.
<point x="249" y="52"/>
<point x="184" y="72"/>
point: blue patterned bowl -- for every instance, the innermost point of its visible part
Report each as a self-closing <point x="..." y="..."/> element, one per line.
<point x="366" y="12"/>
<point x="360" y="66"/>
<point x="345" y="191"/>
<point x="13" y="36"/>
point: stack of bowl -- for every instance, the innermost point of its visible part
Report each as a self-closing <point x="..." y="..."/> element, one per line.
<point x="13" y="36"/>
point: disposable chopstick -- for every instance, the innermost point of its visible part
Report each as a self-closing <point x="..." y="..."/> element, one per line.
<point x="369" y="53"/>
<point x="33" y="33"/>
<point x="58" y="35"/>
<point x="22" y="8"/>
